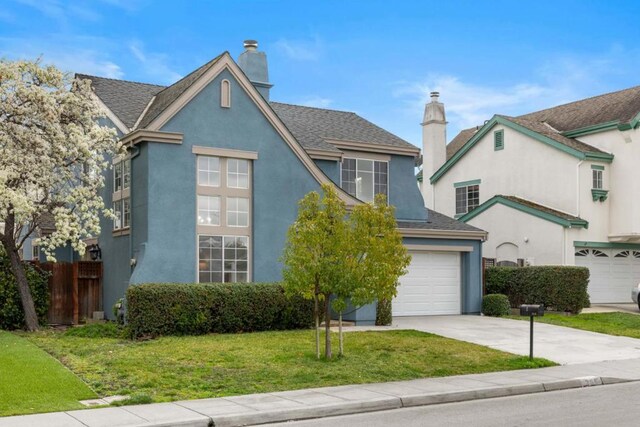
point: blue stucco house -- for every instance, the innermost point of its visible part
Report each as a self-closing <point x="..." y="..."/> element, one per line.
<point x="214" y="172"/>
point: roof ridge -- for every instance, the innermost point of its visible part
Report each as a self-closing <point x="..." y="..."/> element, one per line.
<point x="314" y="108"/>
<point x="581" y="100"/>
<point x="206" y="64"/>
<point x="119" y="80"/>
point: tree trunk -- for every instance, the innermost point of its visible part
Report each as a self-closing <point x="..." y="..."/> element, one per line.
<point x="316" y="315"/>
<point x="327" y="327"/>
<point x="341" y="349"/>
<point x="17" y="268"/>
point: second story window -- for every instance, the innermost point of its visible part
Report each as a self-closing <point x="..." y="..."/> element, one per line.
<point x="364" y="178"/>
<point x="121" y="195"/>
<point x="237" y="173"/>
<point x="209" y="171"/>
<point x="597" y="179"/>
<point x="117" y="177"/>
<point x="467" y="198"/>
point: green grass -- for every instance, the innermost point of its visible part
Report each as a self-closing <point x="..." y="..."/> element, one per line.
<point x="173" y="368"/>
<point x="621" y="324"/>
<point x="32" y="381"/>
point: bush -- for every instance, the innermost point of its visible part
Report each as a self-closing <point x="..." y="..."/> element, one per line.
<point x="96" y="330"/>
<point x="383" y="313"/>
<point x="496" y="305"/>
<point x="190" y="309"/>
<point x="561" y="288"/>
<point x="11" y="312"/>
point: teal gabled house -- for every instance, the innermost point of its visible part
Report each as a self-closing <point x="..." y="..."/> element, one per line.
<point x="213" y="173"/>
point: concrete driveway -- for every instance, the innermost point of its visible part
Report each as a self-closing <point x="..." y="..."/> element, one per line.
<point x="559" y="344"/>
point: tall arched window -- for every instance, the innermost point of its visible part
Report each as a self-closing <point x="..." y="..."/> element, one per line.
<point x="225" y="94"/>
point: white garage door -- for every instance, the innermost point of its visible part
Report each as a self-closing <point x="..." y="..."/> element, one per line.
<point x="613" y="273"/>
<point x="431" y="286"/>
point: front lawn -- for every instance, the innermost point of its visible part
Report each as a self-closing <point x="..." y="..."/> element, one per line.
<point x="32" y="381"/>
<point x="193" y="367"/>
<point x="622" y="324"/>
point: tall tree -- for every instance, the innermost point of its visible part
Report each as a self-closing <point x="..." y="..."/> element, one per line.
<point x="329" y="254"/>
<point x="52" y="155"/>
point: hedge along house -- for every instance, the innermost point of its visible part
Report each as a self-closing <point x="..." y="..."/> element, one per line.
<point x="214" y="173"/>
<point x="552" y="187"/>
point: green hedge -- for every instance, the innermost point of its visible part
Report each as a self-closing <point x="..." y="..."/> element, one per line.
<point x="496" y="305"/>
<point x="560" y="288"/>
<point x="11" y="312"/>
<point x="191" y="309"/>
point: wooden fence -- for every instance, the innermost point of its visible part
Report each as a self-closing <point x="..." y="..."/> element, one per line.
<point x="75" y="291"/>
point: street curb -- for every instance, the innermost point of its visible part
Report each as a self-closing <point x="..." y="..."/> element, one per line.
<point x="356" y="407"/>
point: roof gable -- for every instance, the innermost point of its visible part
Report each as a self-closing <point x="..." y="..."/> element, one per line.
<point x="558" y="217"/>
<point x="537" y="131"/>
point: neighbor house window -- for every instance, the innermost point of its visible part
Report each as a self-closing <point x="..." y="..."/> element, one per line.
<point x="364" y="178"/>
<point x="223" y="259"/>
<point x="208" y="210"/>
<point x="225" y="94"/>
<point x="35" y="251"/>
<point x="237" y="173"/>
<point x="209" y="171"/>
<point x="237" y="211"/>
<point x="467" y="198"/>
<point x="498" y="140"/>
<point x="597" y="178"/>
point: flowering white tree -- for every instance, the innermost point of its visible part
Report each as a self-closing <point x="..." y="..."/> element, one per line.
<point x="52" y="155"/>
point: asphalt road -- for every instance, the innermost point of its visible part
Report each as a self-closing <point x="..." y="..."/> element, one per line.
<point x="613" y="405"/>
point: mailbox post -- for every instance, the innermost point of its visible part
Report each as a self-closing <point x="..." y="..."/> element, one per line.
<point x="531" y="310"/>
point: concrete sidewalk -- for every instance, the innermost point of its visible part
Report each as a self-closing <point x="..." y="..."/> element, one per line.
<point x="329" y="401"/>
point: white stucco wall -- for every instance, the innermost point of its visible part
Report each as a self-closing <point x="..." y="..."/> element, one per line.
<point x="545" y="240"/>
<point x="621" y="178"/>
<point x="525" y="167"/>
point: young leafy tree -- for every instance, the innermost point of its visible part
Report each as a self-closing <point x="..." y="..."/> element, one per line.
<point x="313" y="256"/>
<point x="52" y="155"/>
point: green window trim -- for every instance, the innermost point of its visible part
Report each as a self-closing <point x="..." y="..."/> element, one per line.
<point x="599" y="195"/>
<point x="467" y="183"/>
<point x="567" y="223"/>
<point x="597" y="167"/>
<point x="498" y="140"/>
<point x="596" y="156"/>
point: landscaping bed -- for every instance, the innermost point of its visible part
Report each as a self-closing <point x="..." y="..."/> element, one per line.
<point x="215" y="365"/>
<point x="33" y="381"/>
<point x="620" y="324"/>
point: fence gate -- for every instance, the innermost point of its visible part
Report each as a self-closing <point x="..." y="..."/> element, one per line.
<point x="75" y="291"/>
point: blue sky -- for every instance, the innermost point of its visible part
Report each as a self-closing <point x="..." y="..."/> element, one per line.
<point x="377" y="58"/>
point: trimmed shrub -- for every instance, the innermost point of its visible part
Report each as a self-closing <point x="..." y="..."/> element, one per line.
<point x="383" y="313"/>
<point x="562" y="288"/>
<point x="11" y="312"/>
<point x="496" y="305"/>
<point x="157" y="309"/>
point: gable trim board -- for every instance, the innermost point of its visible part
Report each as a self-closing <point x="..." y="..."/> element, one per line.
<point x="565" y="222"/>
<point x="141" y="135"/>
<point x="224" y="152"/>
<point x="604" y="157"/>
<point x="324" y="154"/>
<point x="439" y="234"/>
<point x="225" y="62"/>
<point x="587" y="130"/>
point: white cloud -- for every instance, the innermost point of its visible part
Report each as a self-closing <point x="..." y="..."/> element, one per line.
<point x="155" y="65"/>
<point x="300" y="50"/>
<point x="558" y="81"/>
<point x="316" y="101"/>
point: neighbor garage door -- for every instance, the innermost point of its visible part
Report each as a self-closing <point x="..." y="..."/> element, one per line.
<point x="431" y="286"/>
<point x="612" y="273"/>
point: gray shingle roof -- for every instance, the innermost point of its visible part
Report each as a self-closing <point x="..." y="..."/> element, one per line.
<point x="621" y="106"/>
<point x="438" y="221"/>
<point x="127" y="100"/>
<point x="169" y="94"/>
<point x="313" y="126"/>
<point x="541" y="208"/>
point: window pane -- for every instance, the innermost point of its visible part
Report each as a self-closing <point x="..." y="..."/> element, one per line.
<point x="473" y="197"/>
<point x="127" y="173"/>
<point x="208" y="210"/>
<point x="365" y="165"/>
<point x="380" y="177"/>
<point x="237" y="173"/>
<point x="117" y="177"/>
<point x="237" y="211"/>
<point x="126" y="213"/>
<point x="461" y="200"/>
<point x="208" y="171"/>
<point x="349" y="176"/>
<point x="117" y="211"/>
<point x="364" y="185"/>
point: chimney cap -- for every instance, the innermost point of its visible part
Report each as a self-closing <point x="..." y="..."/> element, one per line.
<point x="434" y="94"/>
<point x="250" y="44"/>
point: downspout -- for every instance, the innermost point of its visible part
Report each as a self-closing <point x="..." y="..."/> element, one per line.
<point x="578" y="188"/>
<point x="135" y="151"/>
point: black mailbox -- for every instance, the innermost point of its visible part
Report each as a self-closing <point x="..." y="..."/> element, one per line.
<point x="532" y="310"/>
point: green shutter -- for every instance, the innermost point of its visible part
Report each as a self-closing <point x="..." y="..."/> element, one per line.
<point x="498" y="140"/>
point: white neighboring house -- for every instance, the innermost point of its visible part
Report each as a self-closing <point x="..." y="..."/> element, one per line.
<point x="559" y="186"/>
